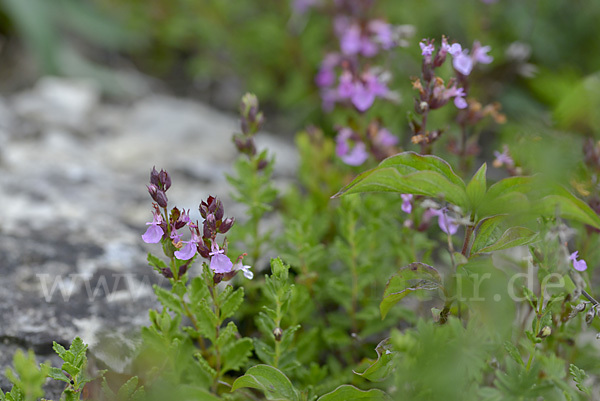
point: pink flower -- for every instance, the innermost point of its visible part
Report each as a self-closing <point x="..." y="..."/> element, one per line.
<point x="427" y="49"/>
<point x="463" y="63"/>
<point x="503" y="158"/>
<point x="579" y="265"/>
<point x="154" y="233"/>
<point x="353" y="156"/>
<point x="244" y="268"/>
<point x="447" y="224"/>
<point x="406" y="202"/>
<point x="385" y="138"/>
<point x="480" y="53"/>
<point x="219" y="262"/>
<point x="190" y="248"/>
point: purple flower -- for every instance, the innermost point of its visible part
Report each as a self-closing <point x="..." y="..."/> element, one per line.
<point x="326" y="75"/>
<point x="463" y="63"/>
<point x="189" y="250"/>
<point x="244" y="268"/>
<point x="458" y="94"/>
<point x="354" y="156"/>
<point x="385" y="138"/>
<point x="447" y="224"/>
<point x="503" y="158"/>
<point x="219" y="262"/>
<point x="427" y="49"/>
<point x="346" y="87"/>
<point x="384" y="34"/>
<point x="154" y="233"/>
<point x="406" y="202"/>
<point x="350" y="40"/>
<point x="460" y="102"/>
<point x="579" y="265"/>
<point x="480" y="53"/>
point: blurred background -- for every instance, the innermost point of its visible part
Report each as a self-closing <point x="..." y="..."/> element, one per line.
<point x="545" y="69"/>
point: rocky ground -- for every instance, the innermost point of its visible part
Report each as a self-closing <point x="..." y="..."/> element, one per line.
<point x="73" y="204"/>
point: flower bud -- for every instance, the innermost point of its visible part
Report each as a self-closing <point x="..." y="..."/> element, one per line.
<point x="544" y="332"/>
<point x="152" y="189"/>
<point x="219" y="210"/>
<point x="161" y="198"/>
<point x="206" y="231"/>
<point x="203" y="250"/>
<point x="277" y="332"/>
<point x="165" y="179"/>
<point x="226" y="225"/>
<point x="590" y="315"/>
<point x="154" y="177"/>
<point x="167" y="273"/>
<point x="211" y="222"/>
<point x="249" y="106"/>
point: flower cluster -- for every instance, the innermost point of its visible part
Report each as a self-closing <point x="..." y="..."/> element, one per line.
<point x="349" y="77"/>
<point x="165" y="227"/>
<point x="353" y="150"/>
<point x="435" y="93"/>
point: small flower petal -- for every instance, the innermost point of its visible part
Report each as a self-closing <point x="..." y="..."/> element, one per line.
<point x="187" y="252"/>
<point x="153" y="234"/>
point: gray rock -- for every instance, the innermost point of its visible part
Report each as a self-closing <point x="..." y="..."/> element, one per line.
<point x="74" y="203"/>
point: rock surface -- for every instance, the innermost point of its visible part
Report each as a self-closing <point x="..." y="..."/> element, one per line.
<point x="73" y="204"/>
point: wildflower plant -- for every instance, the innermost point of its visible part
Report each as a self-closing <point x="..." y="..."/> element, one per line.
<point x="405" y="268"/>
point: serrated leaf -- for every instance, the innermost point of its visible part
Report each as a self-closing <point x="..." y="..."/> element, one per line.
<point x="57" y="374"/>
<point x="514" y="353"/>
<point x="477" y="187"/>
<point x="205" y="365"/>
<point x="127" y="389"/>
<point x="414" y="277"/>
<point x="347" y="392"/>
<point x="231" y="303"/>
<point x="271" y="381"/>
<point x="206" y="319"/>
<point x="579" y="377"/>
<point x="514" y="236"/>
<point x="60" y="350"/>
<point x="71" y="369"/>
<point x="264" y="352"/>
<point x="155" y="262"/>
<point x="383" y="366"/>
<point x="236" y="354"/>
<point x="412" y="174"/>
<point x="168" y="299"/>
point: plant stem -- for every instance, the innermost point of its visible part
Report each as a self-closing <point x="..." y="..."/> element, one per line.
<point x="468" y="233"/>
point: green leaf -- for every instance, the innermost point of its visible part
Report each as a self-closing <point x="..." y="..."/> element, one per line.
<point x="514" y="236"/>
<point x="487" y="232"/>
<point x="56" y="374"/>
<point x="348" y="392"/>
<point x="476" y="187"/>
<point x="168" y="299"/>
<point x="411" y="161"/>
<point x="514" y="353"/>
<point x="232" y="302"/>
<point x="155" y="262"/>
<point x="412" y="174"/>
<point x="569" y="207"/>
<point x="506" y="196"/>
<point x="382" y="367"/>
<point x="236" y="354"/>
<point x="274" y="384"/>
<point x="579" y="377"/>
<point x="207" y="320"/>
<point x="414" y="277"/>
